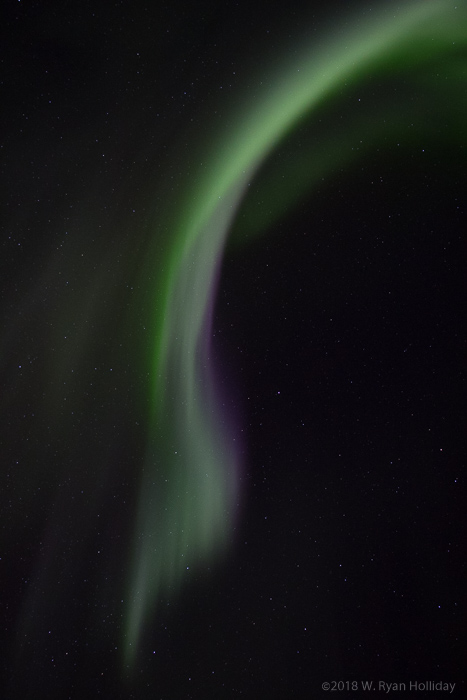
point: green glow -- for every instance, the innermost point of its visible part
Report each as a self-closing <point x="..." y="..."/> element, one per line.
<point x="189" y="486"/>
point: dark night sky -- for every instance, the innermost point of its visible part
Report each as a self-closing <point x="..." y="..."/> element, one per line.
<point x="343" y="337"/>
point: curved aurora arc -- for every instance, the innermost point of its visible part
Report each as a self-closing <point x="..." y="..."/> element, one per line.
<point x="189" y="487"/>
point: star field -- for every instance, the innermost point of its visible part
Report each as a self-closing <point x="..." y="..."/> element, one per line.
<point x="232" y="364"/>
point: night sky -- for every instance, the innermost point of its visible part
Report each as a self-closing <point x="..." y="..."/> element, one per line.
<point x="233" y="349"/>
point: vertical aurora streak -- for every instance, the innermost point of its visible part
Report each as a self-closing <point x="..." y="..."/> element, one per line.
<point x="189" y="488"/>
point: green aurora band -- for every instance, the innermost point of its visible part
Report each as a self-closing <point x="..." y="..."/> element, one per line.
<point x="190" y="482"/>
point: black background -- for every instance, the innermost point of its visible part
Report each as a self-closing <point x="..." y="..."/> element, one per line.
<point x="342" y="330"/>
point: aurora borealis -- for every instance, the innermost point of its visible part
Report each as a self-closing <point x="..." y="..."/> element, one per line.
<point x="121" y="423"/>
<point x="185" y="409"/>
